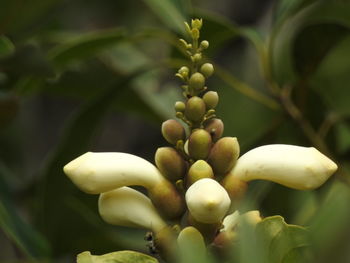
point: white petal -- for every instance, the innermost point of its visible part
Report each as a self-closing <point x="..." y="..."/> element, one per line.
<point x="235" y="219"/>
<point x="96" y="173"/>
<point x="207" y="201"/>
<point x="230" y="221"/>
<point x="292" y="166"/>
<point x="127" y="207"/>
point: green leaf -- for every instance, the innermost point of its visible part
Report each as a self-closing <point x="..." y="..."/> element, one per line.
<point x="301" y="43"/>
<point x="84" y="46"/>
<point x="116" y="257"/>
<point x="169" y="13"/>
<point x="6" y="47"/>
<point x="20" y="232"/>
<point x="276" y="239"/>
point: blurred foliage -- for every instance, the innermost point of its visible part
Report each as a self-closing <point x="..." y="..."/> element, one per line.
<point x="67" y="66"/>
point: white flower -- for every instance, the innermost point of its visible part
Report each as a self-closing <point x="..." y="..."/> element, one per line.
<point x="96" y="173"/>
<point x="207" y="201"/>
<point x="296" y="167"/>
<point x="127" y="207"/>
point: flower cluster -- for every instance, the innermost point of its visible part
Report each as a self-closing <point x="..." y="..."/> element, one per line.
<point x="196" y="184"/>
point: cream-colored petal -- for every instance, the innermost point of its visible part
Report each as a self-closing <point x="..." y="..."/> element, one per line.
<point x="207" y="201"/>
<point x="230" y="221"/>
<point x="127" y="207"/>
<point x="296" y="167"/>
<point x="96" y="173"/>
<point x="234" y="220"/>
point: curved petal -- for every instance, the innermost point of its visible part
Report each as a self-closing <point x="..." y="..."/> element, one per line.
<point x="127" y="207"/>
<point x="296" y="167"/>
<point x="191" y="246"/>
<point x="96" y="173"/>
<point x="207" y="201"/>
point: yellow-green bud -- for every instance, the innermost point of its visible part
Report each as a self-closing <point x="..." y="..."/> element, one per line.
<point x="211" y="99"/>
<point x="183" y="71"/>
<point x="215" y="127"/>
<point x="180" y="106"/>
<point x="224" y="155"/>
<point x="207" y="69"/>
<point x="235" y="187"/>
<point x="195" y="109"/>
<point x="195" y="33"/>
<point x="173" y="131"/>
<point x="197" y="57"/>
<point x="199" y="170"/>
<point x="197" y="23"/>
<point x="197" y="81"/>
<point x="170" y="163"/>
<point x="204" y="44"/>
<point x="199" y="144"/>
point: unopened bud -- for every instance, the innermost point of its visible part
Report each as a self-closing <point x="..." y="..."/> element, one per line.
<point x="183" y="71"/>
<point x="173" y="131"/>
<point x="235" y="187"/>
<point x="195" y="33"/>
<point x="199" y="144"/>
<point x="197" y="57"/>
<point x="197" y="81"/>
<point x="170" y="163"/>
<point x="215" y="127"/>
<point x="204" y="44"/>
<point x="211" y="99"/>
<point x="207" y="69"/>
<point x="199" y="170"/>
<point x="224" y="155"/>
<point x="207" y="201"/>
<point x="180" y="106"/>
<point x="191" y="246"/>
<point x="195" y="109"/>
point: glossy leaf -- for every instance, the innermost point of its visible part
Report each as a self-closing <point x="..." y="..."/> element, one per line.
<point x="116" y="257"/>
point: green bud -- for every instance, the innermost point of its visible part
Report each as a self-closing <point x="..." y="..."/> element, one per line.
<point x="211" y="99"/>
<point x="235" y="187"/>
<point x="199" y="144"/>
<point x="170" y="163"/>
<point x="195" y="109"/>
<point x="195" y="33"/>
<point x="180" y="106"/>
<point x="197" y="23"/>
<point x="183" y="71"/>
<point x="173" y="131"/>
<point x="215" y="127"/>
<point x="197" y="81"/>
<point x="188" y="28"/>
<point x="207" y="69"/>
<point x="200" y="169"/>
<point x="224" y="155"/>
<point x="196" y="57"/>
<point x="204" y="44"/>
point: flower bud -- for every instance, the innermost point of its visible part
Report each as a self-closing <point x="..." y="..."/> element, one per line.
<point x="197" y="23"/>
<point x="170" y="163"/>
<point x="125" y="206"/>
<point x="196" y="57"/>
<point x="183" y="71"/>
<point x="173" y="131"/>
<point x="296" y="167"/>
<point x="195" y="109"/>
<point x="224" y="155"/>
<point x="207" y="201"/>
<point x="180" y="106"/>
<point x="197" y="81"/>
<point x="191" y="246"/>
<point x="215" y="127"/>
<point x="167" y="200"/>
<point x="207" y="69"/>
<point x="204" y="44"/>
<point x="211" y="99"/>
<point x="199" y="144"/>
<point x="235" y="187"/>
<point x="199" y="170"/>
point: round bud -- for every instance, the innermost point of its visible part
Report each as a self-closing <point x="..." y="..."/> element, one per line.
<point x="180" y="106"/>
<point x="197" y="57"/>
<point x="224" y="155"/>
<point x="195" y="109"/>
<point x="199" y="170"/>
<point x="207" y="201"/>
<point x="207" y="69"/>
<point x="197" y="81"/>
<point x="204" y="44"/>
<point x="235" y="187"/>
<point x="173" y="131"/>
<point x="199" y="144"/>
<point x="170" y="163"/>
<point x="184" y="71"/>
<point x="215" y="127"/>
<point x="211" y="99"/>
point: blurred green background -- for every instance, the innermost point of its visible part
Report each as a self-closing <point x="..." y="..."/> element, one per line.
<point x="79" y="76"/>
